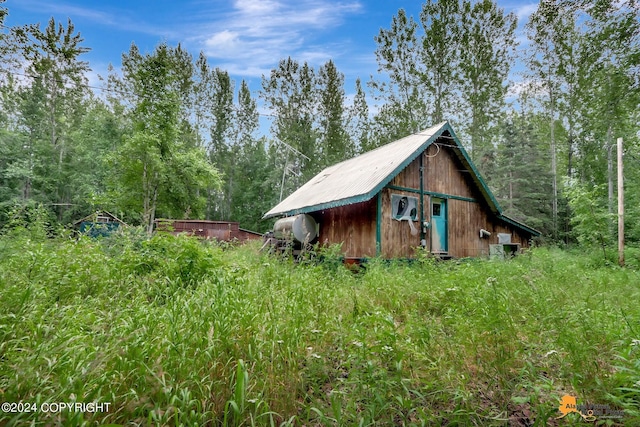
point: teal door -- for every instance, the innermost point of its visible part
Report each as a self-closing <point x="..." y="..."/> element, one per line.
<point x="439" y="232"/>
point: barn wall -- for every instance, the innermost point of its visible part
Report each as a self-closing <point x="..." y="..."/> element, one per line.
<point x="219" y="230"/>
<point x="443" y="174"/>
<point x="353" y="225"/>
<point x="397" y="239"/>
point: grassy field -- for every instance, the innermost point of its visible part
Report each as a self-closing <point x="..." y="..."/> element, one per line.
<point x="173" y="331"/>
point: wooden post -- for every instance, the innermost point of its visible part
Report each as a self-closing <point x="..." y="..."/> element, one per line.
<point x="620" y="206"/>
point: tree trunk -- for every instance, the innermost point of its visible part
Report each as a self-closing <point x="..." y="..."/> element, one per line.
<point x="609" y="174"/>
<point x="152" y="210"/>
<point x="554" y="166"/>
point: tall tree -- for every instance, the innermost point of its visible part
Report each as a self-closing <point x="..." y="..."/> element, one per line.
<point x="611" y="85"/>
<point x="404" y="109"/>
<point x="335" y="144"/>
<point x="440" y="55"/>
<point x="545" y="30"/>
<point x="253" y="193"/>
<point x="155" y="167"/>
<point x="359" y="121"/>
<point x="487" y="54"/>
<point x="520" y="178"/>
<point x="43" y="91"/>
<point x="290" y="93"/>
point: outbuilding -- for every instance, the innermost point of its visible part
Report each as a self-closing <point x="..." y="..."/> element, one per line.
<point x="422" y="191"/>
<point x="99" y="223"/>
<point x="218" y="230"/>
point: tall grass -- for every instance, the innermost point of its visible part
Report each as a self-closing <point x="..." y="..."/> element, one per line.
<point x="174" y="331"/>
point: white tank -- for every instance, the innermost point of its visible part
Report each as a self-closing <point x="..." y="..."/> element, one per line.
<point x="302" y="228"/>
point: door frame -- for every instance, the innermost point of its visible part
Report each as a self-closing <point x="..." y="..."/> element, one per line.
<point x="439" y="226"/>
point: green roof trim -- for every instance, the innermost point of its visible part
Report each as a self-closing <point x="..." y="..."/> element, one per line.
<point x="328" y="205"/>
<point x="518" y="224"/>
<point x="442" y="130"/>
<point x="484" y="188"/>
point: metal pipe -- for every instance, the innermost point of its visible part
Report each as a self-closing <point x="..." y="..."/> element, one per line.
<point x="422" y="230"/>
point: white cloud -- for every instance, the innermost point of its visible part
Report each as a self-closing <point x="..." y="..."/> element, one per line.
<point x="225" y="42"/>
<point x="256" y="34"/>
<point x="524" y="11"/>
<point x="119" y="19"/>
<point x="246" y="37"/>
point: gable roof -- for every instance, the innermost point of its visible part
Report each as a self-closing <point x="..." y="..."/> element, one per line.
<point x="98" y="216"/>
<point x="362" y="177"/>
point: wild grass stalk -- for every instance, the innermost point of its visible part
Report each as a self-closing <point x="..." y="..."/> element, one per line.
<point x="174" y="331"/>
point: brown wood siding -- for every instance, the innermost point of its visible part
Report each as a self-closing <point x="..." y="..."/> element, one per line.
<point x="219" y="230"/>
<point x="409" y="177"/>
<point x="444" y="173"/>
<point x="353" y="225"/>
<point x="396" y="238"/>
<point x="464" y="223"/>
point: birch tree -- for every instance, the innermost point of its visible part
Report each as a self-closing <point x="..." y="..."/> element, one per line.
<point x="487" y="53"/>
<point x="403" y="107"/>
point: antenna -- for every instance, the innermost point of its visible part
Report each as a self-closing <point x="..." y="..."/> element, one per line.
<point x="286" y="167"/>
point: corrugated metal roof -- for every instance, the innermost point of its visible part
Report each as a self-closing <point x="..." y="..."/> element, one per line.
<point x="357" y="179"/>
<point x="362" y="177"/>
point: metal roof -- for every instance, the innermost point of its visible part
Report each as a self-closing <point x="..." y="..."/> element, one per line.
<point x="355" y="180"/>
<point x="362" y="177"/>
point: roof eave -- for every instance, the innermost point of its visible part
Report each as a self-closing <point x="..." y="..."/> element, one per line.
<point x="520" y="225"/>
<point x="366" y="196"/>
<point x="468" y="163"/>
<point x="329" y="205"/>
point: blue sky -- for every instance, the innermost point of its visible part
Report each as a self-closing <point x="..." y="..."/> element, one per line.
<point x="245" y="37"/>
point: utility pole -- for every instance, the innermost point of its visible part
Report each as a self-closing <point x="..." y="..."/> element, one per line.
<point x="620" y="206"/>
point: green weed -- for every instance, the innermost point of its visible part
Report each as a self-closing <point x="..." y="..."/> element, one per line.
<point x="176" y="331"/>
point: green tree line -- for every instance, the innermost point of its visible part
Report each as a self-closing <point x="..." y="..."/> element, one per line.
<point x="172" y="135"/>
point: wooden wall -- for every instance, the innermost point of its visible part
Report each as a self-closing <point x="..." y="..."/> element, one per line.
<point x="219" y="230"/>
<point x="467" y="213"/>
<point x="353" y="225"/>
<point x="445" y="173"/>
<point x="465" y="221"/>
<point x="397" y="240"/>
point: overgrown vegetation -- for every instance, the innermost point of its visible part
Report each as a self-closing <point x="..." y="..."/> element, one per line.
<point x="170" y="133"/>
<point x="172" y="330"/>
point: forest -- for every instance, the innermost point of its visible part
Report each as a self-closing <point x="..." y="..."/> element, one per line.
<point x="171" y="135"/>
<point x="144" y="328"/>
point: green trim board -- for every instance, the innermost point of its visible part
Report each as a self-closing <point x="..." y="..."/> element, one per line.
<point x="328" y="205"/>
<point x="432" y="193"/>
<point x="443" y="130"/>
<point x="422" y="228"/>
<point x="379" y="225"/>
<point x="503" y="217"/>
<point x="518" y="224"/>
<point x="370" y="194"/>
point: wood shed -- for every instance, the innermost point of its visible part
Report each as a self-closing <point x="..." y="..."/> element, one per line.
<point x="219" y="230"/>
<point x="99" y="223"/>
<point x="420" y="191"/>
